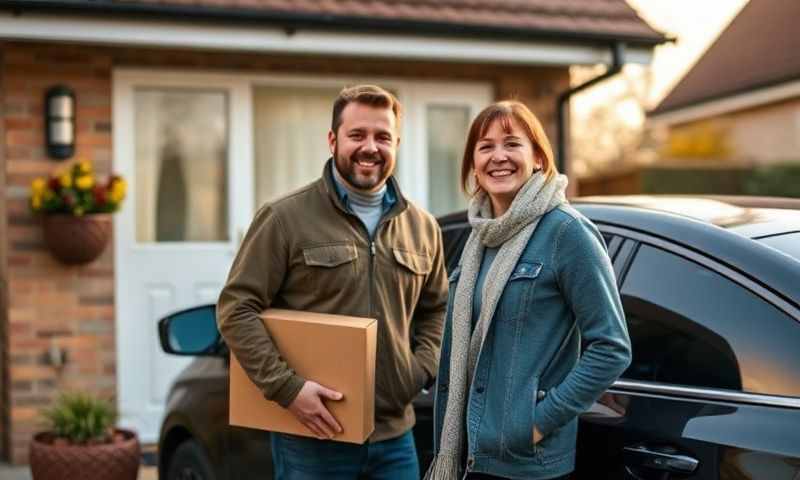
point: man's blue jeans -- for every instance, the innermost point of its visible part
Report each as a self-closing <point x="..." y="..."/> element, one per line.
<point x="302" y="458"/>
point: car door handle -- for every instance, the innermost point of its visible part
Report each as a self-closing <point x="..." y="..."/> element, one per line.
<point x="659" y="458"/>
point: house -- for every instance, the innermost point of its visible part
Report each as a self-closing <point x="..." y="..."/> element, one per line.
<point x="229" y="103"/>
<point x="739" y="105"/>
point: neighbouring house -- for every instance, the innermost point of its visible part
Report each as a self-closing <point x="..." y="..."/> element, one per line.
<point x="208" y="109"/>
<point x="739" y="105"/>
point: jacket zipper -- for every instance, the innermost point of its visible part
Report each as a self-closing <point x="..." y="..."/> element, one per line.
<point x="372" y="253"/>
<point x="371" y="270"/>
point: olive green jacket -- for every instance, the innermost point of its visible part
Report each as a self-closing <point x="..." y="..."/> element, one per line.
<point x="306" y="251"/>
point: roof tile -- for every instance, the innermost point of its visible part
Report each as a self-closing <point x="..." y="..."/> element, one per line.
<point x="588" y="17"/>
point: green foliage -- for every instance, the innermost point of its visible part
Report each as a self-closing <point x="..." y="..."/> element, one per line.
<point x="782" y="180"/>
<point x="80" y="418"/>
<point x="693" y="180"/>
<point x="779" y="180"/>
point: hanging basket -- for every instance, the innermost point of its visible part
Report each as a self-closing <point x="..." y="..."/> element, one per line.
<point x="76" y="240"/>
<point x="118" y="460"/>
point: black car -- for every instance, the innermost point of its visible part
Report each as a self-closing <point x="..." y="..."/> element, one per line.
<point x="711" y="291"/>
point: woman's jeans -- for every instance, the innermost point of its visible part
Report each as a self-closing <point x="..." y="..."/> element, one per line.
<point x="303" y="458"/>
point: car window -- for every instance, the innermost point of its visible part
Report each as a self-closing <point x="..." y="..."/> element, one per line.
<point x="788" y="243"/>
<point x="690" y="325"/>
<point x="607" y="237"/>
<point x="622" y="256"/>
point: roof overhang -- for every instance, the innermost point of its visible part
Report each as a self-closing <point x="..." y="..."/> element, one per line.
<point x="146" y="32"/>
<point x="728" y="104"/>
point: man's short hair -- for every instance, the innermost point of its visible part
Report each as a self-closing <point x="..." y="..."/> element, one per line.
<point x="371" y="95"/>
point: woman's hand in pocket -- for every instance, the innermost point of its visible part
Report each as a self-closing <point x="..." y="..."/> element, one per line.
<point x="537" y="437"/>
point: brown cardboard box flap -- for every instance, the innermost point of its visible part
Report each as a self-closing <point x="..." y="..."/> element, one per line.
<point x="336" y="351"/>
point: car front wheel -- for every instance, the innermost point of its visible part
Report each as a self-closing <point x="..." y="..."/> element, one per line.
<point x="189" y="463"/>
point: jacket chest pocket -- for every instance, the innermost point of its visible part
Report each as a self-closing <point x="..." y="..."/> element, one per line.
<point x="519" y="289"/>
<point x="332" y="267"/>
<point x="410" y="270"/>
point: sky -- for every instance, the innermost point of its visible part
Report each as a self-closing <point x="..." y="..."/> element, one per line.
<point x="694" y="31"/>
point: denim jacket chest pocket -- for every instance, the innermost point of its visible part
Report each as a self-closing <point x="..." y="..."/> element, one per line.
<point x="519" y="290"/>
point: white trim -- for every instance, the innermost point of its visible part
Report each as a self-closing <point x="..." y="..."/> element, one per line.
<point x="729" y="104"/>
<point x="129" y="32"/>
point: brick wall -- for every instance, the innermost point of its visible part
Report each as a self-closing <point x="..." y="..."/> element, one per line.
<point x="3" y="290"/>
<point x="51" y="305"/>
<point x="73" y="307"/>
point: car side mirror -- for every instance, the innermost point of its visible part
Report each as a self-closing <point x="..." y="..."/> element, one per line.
<point x="191" y="332"/>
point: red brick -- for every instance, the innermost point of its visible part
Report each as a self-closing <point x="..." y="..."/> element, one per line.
<point x="23" y="123"/>
<point x="17" y="329"/>
<point x="22" y="414"/>
<point x="24" y="137"/>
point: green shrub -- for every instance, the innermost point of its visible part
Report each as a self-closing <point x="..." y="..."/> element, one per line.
<point x="81" y="418"/>
<point x="693" y="180"/>
<point x="779" y="180"/>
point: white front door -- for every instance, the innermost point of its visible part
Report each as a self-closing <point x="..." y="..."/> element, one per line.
<point x="177" y="233"/>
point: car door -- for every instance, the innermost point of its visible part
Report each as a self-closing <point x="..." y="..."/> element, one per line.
<point x="712" y="392"/>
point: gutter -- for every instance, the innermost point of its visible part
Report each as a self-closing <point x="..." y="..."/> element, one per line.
<point x="293" y="21"/>
<point x="617" y="62"/>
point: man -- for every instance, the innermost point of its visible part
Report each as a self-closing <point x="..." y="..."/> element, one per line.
<point x="348" y="244"/>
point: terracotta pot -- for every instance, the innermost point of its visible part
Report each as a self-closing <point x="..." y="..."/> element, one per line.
<point x="75" y="240"/>
<point x="110" y="461"/>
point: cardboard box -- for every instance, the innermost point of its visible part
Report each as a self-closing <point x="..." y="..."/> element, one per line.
<point x="335" y="351"/>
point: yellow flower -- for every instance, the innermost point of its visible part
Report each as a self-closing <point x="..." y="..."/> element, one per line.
<point x="115" y="196"/>
<point x="84" y="182"/>
<point x="38" y="185"/>
<point x="66" y="180"/>
<point x="48" y="194"/>
<point x="36" y="202"/>
<point x="118" y="190"/>
<point x="84" y="167"/>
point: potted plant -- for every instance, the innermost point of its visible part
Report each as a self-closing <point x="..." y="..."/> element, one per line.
<point x="81" y="442"/>
<point x="76" y="208"/>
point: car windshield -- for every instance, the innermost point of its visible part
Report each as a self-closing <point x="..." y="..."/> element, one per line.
<point x="788" y="243"/>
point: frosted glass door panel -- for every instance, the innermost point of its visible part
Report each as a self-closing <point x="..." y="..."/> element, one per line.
<point x="291" y="128"/>
<point x="181" y="166"/>
<point x="447" y="131"/>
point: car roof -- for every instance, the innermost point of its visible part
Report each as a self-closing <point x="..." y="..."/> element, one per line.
<point x="752" y="217"/>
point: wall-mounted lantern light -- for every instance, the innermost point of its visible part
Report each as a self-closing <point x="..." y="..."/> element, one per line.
<point x="59" y="122"/>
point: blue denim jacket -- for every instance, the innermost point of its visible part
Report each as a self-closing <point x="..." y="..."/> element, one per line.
<point x="530" y="371"/>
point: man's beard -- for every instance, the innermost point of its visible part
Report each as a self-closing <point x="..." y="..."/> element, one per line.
<point x="348" y="170"/>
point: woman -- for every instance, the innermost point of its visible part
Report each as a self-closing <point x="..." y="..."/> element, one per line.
<point x="534" y="281"/>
